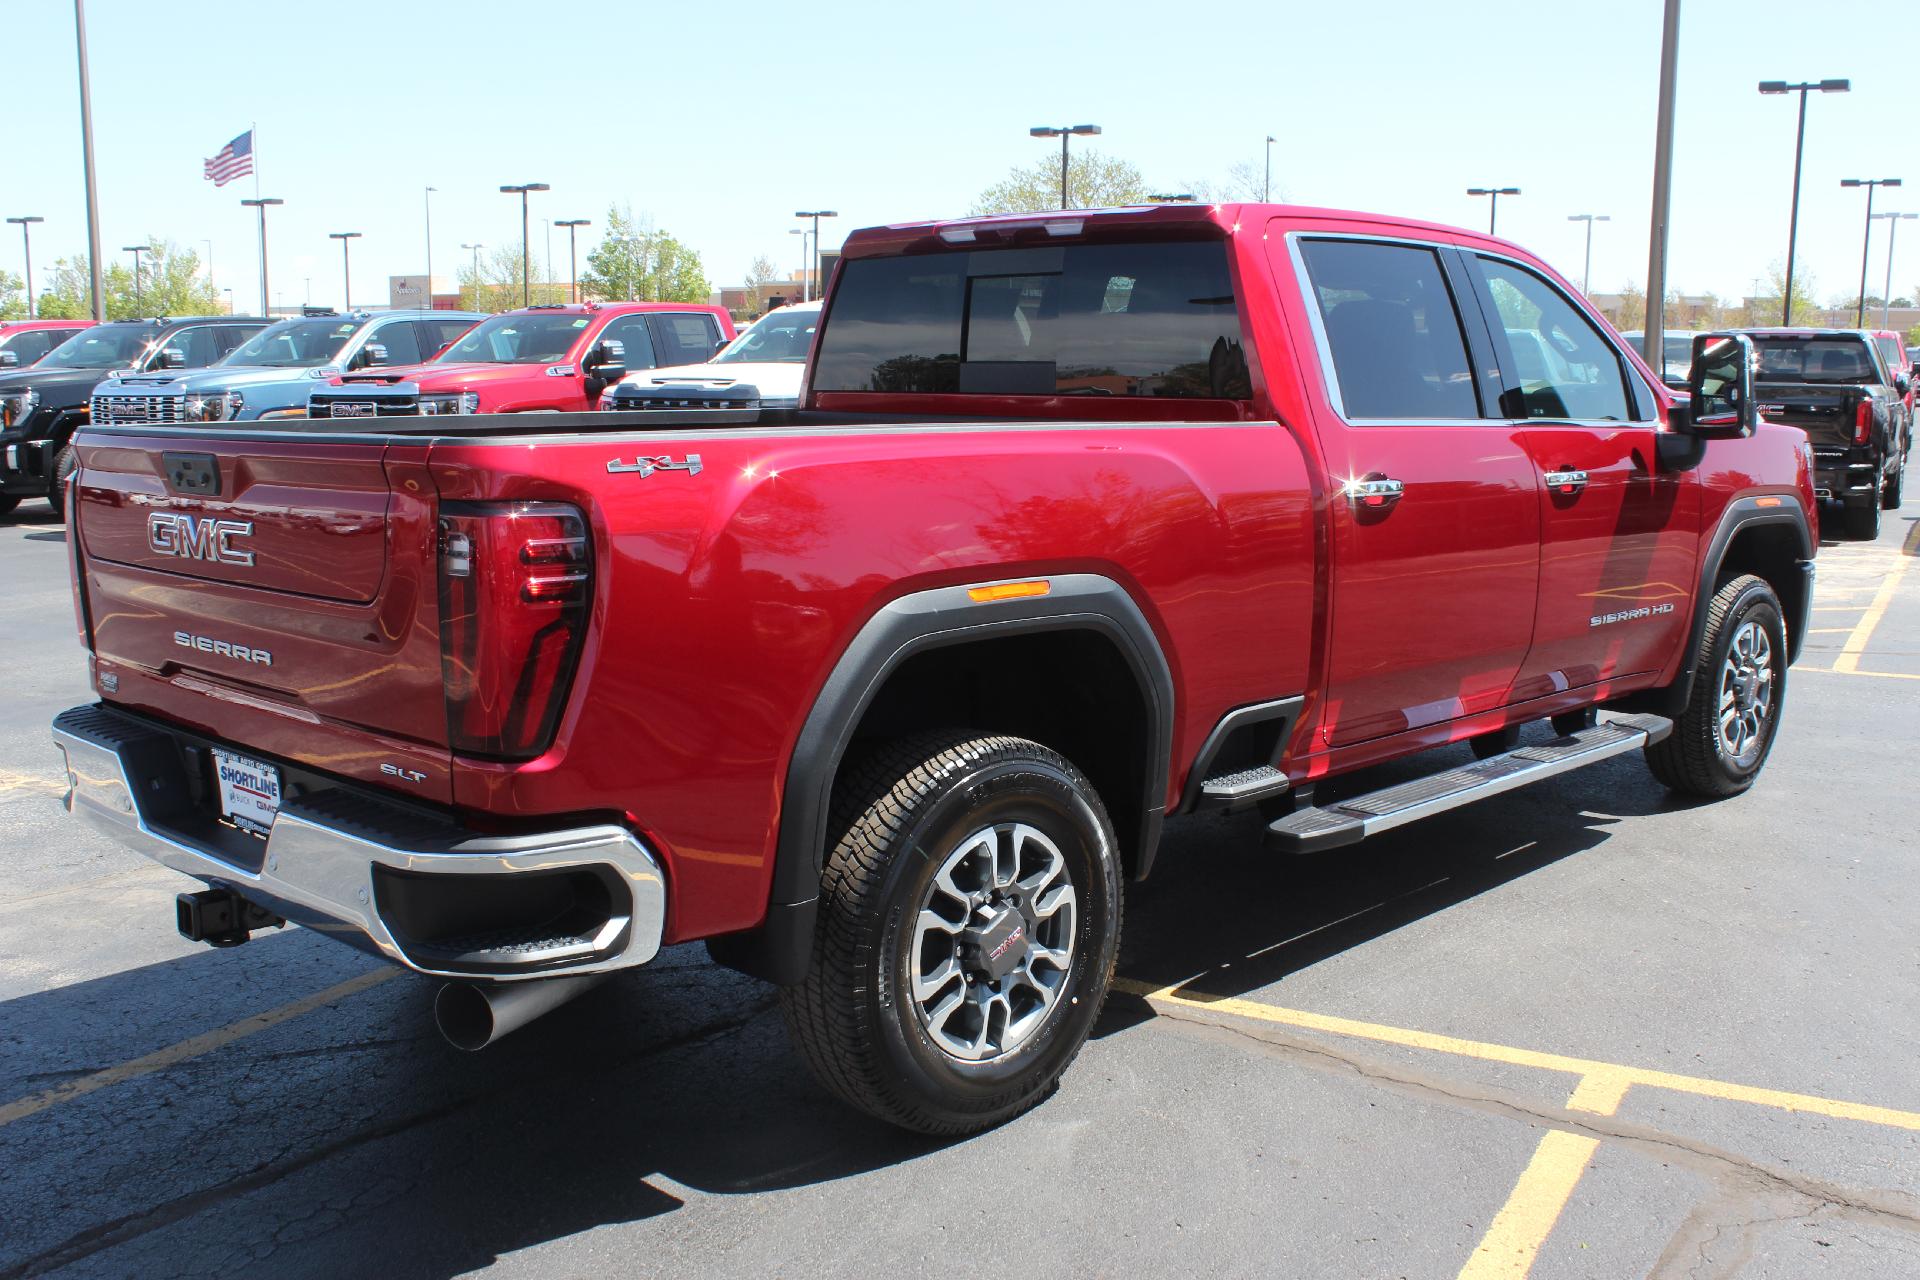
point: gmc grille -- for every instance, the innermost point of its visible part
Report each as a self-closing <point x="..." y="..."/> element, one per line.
<point x="116" y="409"/>
<point x="384" y="407"/>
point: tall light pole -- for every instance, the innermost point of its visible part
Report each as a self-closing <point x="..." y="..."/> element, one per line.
<point x="136" y="250"/>
<point x="526" y="277"/>
<point x="816" y="215"/>
<point x="86" y="159"/>
<point x="427" y="198"/>
<point x="261" y="205"/>
<point x="26" y="243"/>
<point x="1653" y="339"/>
<point x="1493" y="207"/>
<point x="1886" y="290"/>
<point x="806" y="263"/>
<point x="1866" y="241"/>
<point x="1799" y="145"/>
<point x="1063" y="132"/>
<point x="346" y="239"/>
<point x="476" y="246"/>
<point x="1586" y="272"/>
<point x="573" y="263"/>
<point x="1266" y="184"/>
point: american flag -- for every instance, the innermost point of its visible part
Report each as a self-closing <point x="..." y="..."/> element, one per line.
<point x="235" y="159"/>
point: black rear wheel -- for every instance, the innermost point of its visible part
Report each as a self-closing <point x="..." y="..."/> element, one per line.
<point x="1861" y="520"/>
<point x="1721" y="741"/>
<point x="1890" y="490"/>
<point x="64" y="465"/>
<point x="969" y="922"/>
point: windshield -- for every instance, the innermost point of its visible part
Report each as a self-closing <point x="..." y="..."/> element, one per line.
<point x="780" y="337"/>
<point x="517" y="339"/>
<point x="295" y="344"/>
<point x="105" y="346"/>
<point x="1833" y="360"/>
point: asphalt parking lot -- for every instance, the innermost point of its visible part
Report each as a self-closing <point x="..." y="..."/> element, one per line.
<point x="1581" y="1030"/>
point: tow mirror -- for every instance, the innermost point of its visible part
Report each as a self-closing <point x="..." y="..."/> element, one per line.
<point x="609" y="360"/>
<point x="8" y="359"/>
<point x="1903" y="383"/>
<point x="372" y="354"/>
<point x="1720" y="388"/>
<point x="173" y="358"/>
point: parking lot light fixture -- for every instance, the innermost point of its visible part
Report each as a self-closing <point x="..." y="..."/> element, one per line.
<point x="816" y="215"/>
<point x="1586" y="272"/>
<point x="1493" y="208"/>
<point x="346" y="238"/>
<point x="261" y="206"/>
<point x="1064" y="132"/>
<point x="1866" y="241"/>
<point x="26" y="244"/>
<point x="1773" y="87"/>
<point x="526" y="276"/>
<point x="573" y="269"/>
<point x="1886" y="290"/>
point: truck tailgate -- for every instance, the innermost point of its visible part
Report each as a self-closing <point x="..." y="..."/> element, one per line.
<point x="275" y="592"/>
<point x="1825" y="413"/>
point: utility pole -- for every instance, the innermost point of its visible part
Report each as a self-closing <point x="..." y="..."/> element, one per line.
<point x="526" y="275"/>
<point x="1266" y="184"/>
<point x="261" y="205"/>
<point x="1886" y="290"/>
<point x="1062" y="132"/>
<point x="476" y="246"/>
<point x="1586" y="272"/>
<point x="346" y="239"/>
<point x="1866" y="241"/>
<point x="1651" y="342"/>
<point x="86" y="158"/>
<point x="26" y="243"/>
<point x="573" y="263"/>
<point x="429" y="202"/>
<point x="1799" y="146"/>
<point x="816" y="215"/>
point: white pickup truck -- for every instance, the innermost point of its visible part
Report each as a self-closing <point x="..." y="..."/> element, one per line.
<point x="760" y="369"/>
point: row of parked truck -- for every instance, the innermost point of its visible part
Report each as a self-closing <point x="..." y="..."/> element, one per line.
<point x="209" y="369"/>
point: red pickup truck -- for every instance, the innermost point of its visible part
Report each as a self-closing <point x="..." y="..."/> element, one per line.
<point x="1083" y="520"/>
<point x="545" y="359"/>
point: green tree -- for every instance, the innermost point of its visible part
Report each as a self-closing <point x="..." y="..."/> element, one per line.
<point x="1245" y="183"/>
<point x="170" y="285"/>
<point x="498" y="286"/>
<point x="637" y="261"/>
<point x="1094" y="181"/>
<point x="1806" y="305"/>
<point x="13" y="297"/>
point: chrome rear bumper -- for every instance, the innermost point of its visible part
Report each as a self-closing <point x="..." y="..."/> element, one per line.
<point x="362" y="870"/>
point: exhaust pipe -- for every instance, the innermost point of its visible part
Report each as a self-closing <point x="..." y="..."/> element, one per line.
<point x="474" y="1015"/>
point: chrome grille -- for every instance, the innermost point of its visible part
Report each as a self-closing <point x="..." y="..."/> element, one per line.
<point x="117" y="409"/>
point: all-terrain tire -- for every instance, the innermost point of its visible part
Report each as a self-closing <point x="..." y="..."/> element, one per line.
<point x="1696" y="758"/>
<point x="1890" y="489"/>
<point x="901" y="812"/>
<point x="64" y="464"/>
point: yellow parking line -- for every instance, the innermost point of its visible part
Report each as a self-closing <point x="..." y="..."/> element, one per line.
<point x="193" y="1047"/>
<point x="1524" y="1221"/>
<point x="1873" y="675"/>
<point x="1849" y="659"/>
<point x="1489" y="1052"/>
<point x="1828" y="631"/>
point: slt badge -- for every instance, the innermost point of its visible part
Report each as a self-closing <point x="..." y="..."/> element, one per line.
<point x="644" y="466"/>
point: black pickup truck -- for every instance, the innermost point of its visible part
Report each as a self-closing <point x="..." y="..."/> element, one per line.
<point x="1834" y="385"/>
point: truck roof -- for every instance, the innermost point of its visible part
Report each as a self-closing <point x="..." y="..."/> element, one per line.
<point x="1174" y="220"/>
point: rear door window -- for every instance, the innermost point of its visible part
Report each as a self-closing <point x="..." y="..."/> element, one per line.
<point x="1393" y="331"/>
<point x="403" y="347"/>
<point x="1554" y="360"/>
<point x="31" y="345"/>
<point x="197" y="343"/>
<point x="685" y="339"/>
<point x="442" y="332"/>
<point x="1154" y="320"/>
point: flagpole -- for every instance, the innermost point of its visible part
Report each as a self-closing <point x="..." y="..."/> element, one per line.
<point x="253" y="140"/>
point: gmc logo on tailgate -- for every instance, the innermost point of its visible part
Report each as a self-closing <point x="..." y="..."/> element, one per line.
<point x="205" y="538"/>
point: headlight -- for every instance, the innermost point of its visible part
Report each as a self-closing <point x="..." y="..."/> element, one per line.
<point x="216" y="407"/>
<point x="464" y="402"/>
<point x="16" y="407"/>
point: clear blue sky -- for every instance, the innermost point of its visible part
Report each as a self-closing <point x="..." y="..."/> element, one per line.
<point x="719" y="120"/>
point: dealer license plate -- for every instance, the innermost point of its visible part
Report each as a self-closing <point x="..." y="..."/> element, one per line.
<point x="249" y="791"/>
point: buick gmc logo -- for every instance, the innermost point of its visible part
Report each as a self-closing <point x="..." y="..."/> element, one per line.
<point x="204" y="538"/>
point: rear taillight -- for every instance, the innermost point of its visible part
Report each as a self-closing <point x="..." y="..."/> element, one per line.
<point x="1863" y="422"/>
<point x="516" y="583"/>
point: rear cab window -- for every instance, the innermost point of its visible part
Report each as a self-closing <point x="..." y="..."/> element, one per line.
<point x="1834" y="358"/>
<point x="1135" y="320"/>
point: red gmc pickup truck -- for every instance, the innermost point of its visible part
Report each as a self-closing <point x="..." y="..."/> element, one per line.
<point x="1083" y="520"/>
<point x="553" y="358"/>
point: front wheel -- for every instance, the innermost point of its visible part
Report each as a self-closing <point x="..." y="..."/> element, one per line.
<point x="969" y="922"/>
<point x="1721" y="741"/>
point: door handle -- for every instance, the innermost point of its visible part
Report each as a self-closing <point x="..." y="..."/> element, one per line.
<point x="1567" y="481"/>
<point x="1374" y="491"/>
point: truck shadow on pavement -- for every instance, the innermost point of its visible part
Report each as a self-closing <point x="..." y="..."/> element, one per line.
<point x="352" y="1140"/>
